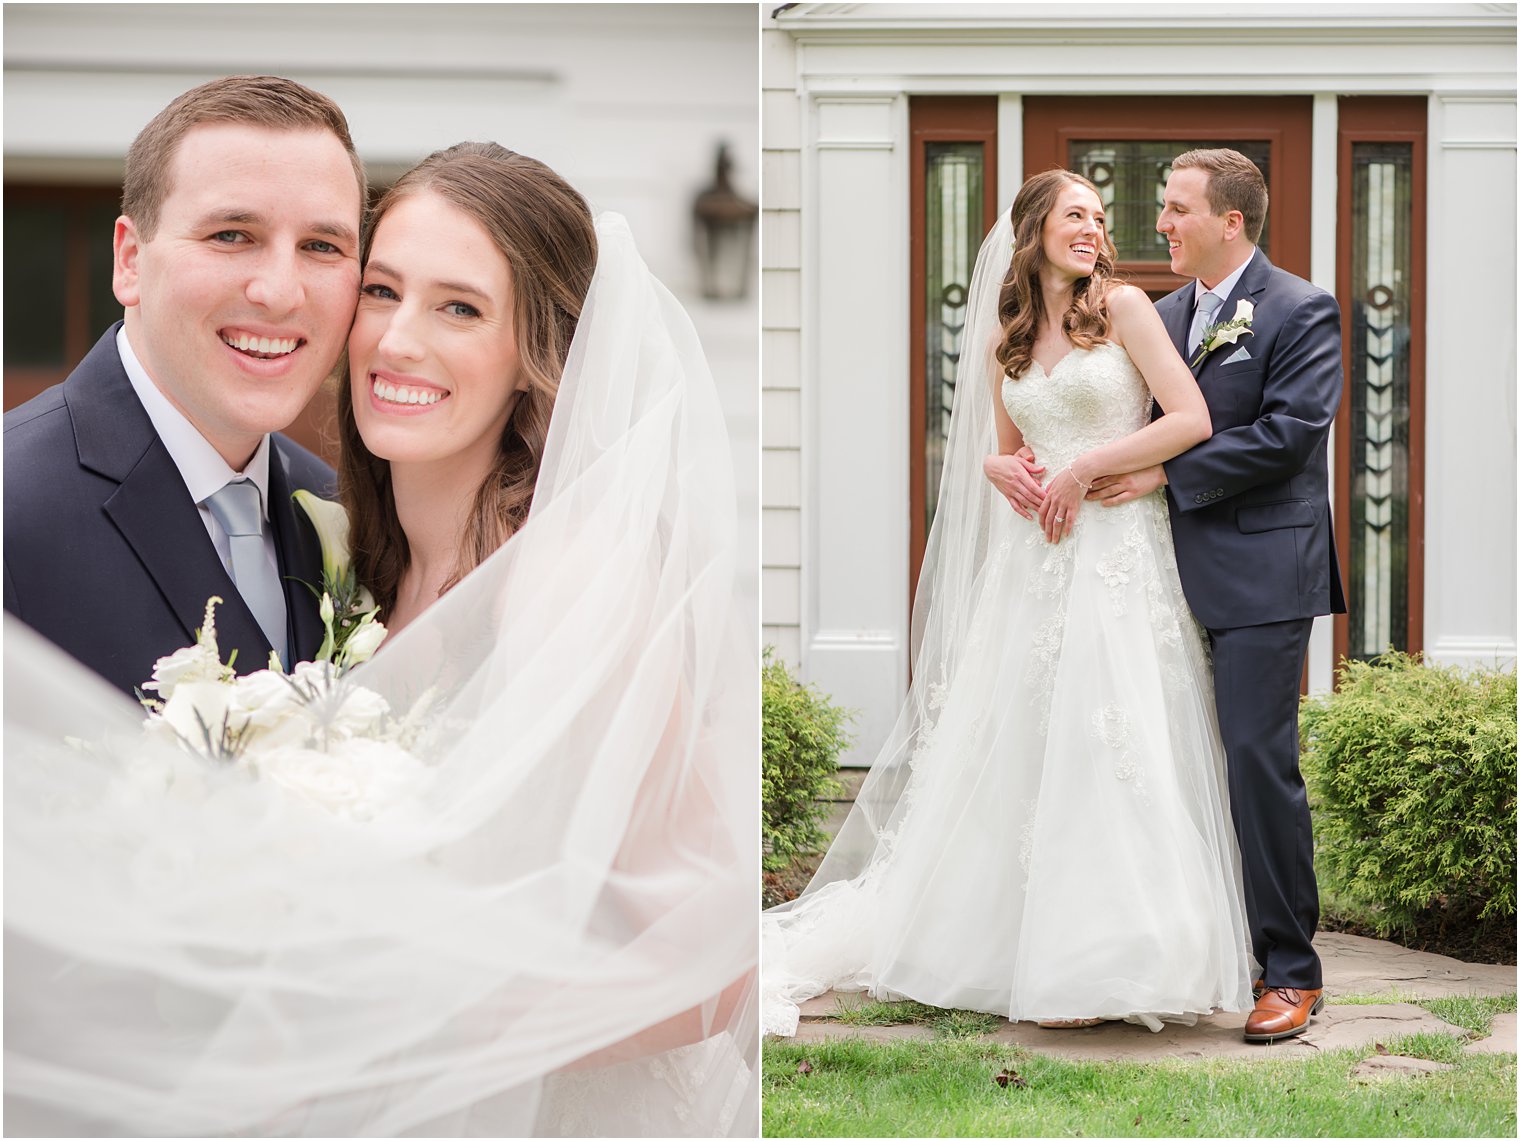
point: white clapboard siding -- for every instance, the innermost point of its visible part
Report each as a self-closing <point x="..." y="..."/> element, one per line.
<point x="781" y="378"/>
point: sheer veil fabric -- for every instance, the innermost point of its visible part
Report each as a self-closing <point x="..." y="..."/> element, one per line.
<point x="1009" y="799"/>
<point x="555" y="935"/>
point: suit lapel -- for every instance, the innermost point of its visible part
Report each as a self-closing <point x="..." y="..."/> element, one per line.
<point x="1176" y="314"/>
<point x="151" y="506"/>
<point x="155" y="514"/>
<point x="300" y="558"/>
<point x="1248" y="286"/>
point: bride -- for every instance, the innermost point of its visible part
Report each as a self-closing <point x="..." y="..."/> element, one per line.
<point x="546" y="931"/>
<point x="1045" y="834"/>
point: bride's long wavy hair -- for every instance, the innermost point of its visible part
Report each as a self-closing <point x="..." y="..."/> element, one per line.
<point x="1021" y="304"/>
<point x="544" y="229"/>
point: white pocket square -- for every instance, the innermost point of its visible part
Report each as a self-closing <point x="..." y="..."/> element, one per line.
<point x="1239" y="354"/>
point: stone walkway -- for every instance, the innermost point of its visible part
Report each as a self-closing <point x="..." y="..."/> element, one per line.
<point x="1353" y="966"/>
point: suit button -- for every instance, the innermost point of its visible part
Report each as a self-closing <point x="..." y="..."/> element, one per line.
<point x="1197" y="499"/>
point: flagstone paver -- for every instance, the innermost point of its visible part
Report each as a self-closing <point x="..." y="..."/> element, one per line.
<point x="1353" y="966"/>
<point x="1501" y="1037"/>
<point x="1378" y="1068"/>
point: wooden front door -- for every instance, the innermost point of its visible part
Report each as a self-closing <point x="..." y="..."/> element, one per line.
<point x="1126" y="146"/>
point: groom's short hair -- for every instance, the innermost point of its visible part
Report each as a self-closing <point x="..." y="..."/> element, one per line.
<point x="253" y="100"/>
<point x="1235" y="183"/>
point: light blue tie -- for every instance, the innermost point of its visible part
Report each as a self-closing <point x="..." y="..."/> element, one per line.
<point x="1208" y="305"/>
<point x="238" y="508"/>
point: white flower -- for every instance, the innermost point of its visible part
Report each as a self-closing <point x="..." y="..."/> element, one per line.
<point x="331" y="524"/>
<point x="1226" y="332"/>
<point x="272" y="710"/>
<point x="196" y="708"/>
<point x="337" y="707"/>
<point x="363" y="642"/>
<point x="197" y="663"/>
<point x="358" y="779"/>
<point x="1227" y="335"/>
<point x="327" y="779"/>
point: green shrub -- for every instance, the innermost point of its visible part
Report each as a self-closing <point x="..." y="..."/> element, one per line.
<point x="1411" y="774"/>
<point x="802" y="735"/>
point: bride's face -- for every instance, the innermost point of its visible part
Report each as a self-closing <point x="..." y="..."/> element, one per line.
<point x="432" y="356"/>
<point x="1074" y="232"/>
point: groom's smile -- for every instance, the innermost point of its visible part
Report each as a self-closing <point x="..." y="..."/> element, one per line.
<point x="261" y="347"/>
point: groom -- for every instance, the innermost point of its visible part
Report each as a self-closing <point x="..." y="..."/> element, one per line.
<point x="1255" y="547"/>
<point x="148" y="480"/>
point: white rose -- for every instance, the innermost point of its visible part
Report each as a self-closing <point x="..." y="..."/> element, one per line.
<point x="272" y="710"/>
<point x="328" y="780"/>
<point x="198" y="708"/>
<point x="363" y="642"/>
<point x="186" y="665"/>
<point x="390" y="776"/>
<point x="200" y="662"/>
<point x="340" y="708"/>
<point x="357" y="779"/>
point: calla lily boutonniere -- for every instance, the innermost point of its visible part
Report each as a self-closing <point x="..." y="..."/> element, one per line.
<point x="348" y="610"/>
<point x="1226" y="332"/>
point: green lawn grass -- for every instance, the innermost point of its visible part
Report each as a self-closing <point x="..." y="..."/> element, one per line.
<point x="947" y="1088"/>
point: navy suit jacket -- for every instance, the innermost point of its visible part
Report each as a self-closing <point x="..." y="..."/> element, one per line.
<point x="105" y="552"/>
<point x="1250" y="506"/>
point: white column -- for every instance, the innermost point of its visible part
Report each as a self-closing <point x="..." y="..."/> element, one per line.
<point x="1470" y="381"/>
<point x="1010" y="148"/>
<point x="1324" y="187"/>
<point x="855" y="445"/>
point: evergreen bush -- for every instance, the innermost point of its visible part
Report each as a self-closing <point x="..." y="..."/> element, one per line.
<point x="802" y="735"/>
<point x="1411" y="775"/>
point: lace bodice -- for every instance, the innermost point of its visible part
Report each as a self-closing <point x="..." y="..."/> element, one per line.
<point x="1092" y="396"/>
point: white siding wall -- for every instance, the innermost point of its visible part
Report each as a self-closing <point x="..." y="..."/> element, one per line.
<point x="781" y="345"/>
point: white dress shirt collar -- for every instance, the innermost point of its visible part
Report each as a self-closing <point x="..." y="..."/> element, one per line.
<point x="1225" y="287"/>
<point x="200" y="465"/>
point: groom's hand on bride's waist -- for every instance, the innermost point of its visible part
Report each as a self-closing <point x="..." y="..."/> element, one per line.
<point x="1017" y="479"/>
<point x="1112" y="490"/>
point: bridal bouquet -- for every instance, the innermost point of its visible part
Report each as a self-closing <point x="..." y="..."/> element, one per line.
<point x="313" y="731"/>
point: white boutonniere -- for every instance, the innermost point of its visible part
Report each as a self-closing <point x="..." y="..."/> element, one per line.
<point x="348" y="610"/>
<point x="1226" y="332"/>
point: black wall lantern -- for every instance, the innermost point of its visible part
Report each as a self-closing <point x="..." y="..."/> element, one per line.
<point x="725" y="235"/>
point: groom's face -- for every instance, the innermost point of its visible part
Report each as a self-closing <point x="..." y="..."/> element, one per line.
<point x="1195" y="234"/>
<point x="239" y="302"/>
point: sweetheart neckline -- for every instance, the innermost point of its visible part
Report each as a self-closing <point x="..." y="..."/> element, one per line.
<point x="1071" y="352"/>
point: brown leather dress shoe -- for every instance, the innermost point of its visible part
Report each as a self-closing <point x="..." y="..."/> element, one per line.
<point x="1257" y="987"/>
<point x="1282" y="1012"/>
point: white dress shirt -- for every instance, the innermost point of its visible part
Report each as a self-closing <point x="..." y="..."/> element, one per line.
<point x="1222" y="290"/>
<point x="200" y="465"/>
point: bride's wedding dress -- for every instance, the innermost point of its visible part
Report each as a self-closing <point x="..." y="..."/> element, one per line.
<point x="1047" y="833"/>
<point x="553" y="933"/>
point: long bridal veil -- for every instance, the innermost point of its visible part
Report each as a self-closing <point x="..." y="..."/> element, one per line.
<point x="554" y="933"/>
<point x="807" y="943"/>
